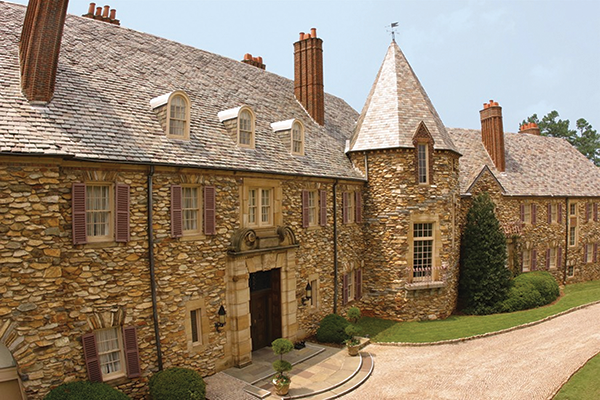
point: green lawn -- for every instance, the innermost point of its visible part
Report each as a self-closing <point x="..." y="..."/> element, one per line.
<point x="456" y="327"/>
<point x="584" y="384"/>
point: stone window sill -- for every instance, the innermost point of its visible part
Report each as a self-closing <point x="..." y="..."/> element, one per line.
<point x="425" y="285"/>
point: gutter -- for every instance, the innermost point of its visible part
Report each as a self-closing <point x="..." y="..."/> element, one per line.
<point x="566" y="240"/>
<point x="152" y="274"/>
<point x="335" y="249"/>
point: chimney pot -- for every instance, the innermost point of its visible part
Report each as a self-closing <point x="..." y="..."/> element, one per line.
<point x="247" y="56"/>
<point x="91" y="9"/>
<point x="259" y="59"/>
<point x="113" y="14"/>
<point x="98" y="11"/>
<point x="105" y="13"/>
<point x="313" y="32"/>
<point x="301" y="36"/>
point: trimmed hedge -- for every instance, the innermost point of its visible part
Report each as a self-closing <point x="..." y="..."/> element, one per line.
<point x="530" y="290"/>
<point x="85" y="390"/>
<point x="177" y="384"/>
<point x="332" y="329"/>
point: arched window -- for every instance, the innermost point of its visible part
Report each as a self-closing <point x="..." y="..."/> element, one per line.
<point x="178" y="116"/>
<point x="297" y="138"/>
<point x="246" y="128"/>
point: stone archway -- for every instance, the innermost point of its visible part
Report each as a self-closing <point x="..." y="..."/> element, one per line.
<point x="10" y="381"/>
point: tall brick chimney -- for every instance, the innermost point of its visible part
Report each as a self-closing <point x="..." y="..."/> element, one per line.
<point x="39" y="48"/>
<point x="492" y="133"/>
<point x="308" y="74"/>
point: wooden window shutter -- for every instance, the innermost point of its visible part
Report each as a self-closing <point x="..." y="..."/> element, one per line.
<point x="595" y="212"/>
<point x="595" y="256"/>
<point x="559" y="257"/>
<point x="345" y="290"/>
<point x="522" y="214"/>
<point x="305" y="221"/>
<point x="132" y="355"/>
<point x="358" y="209"/>
<point x="585" y="253"/>
<point x="90" y="354"/>
<point x="533" y="260"/>
<point x="533" y="214"/>
<point x="323" y="207"/>
<point x="176" y="212"/>
<point x="210" y="210"/>
<point x="79" y="218"/>
<point x="587" y="212"/>
<point x="549" y="213"/>
<point x="122" y="213"/>
<point x="548" y="258"/>
<point x="560" y="212"/>
<point x="358" y="284"/>
<point x="345" y="207"/>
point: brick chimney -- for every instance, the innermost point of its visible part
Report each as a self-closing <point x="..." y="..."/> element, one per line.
<point x="255" y="61"/>
<point x="39" y="48"/>
<point x="107" y="15"/>
<point x="531" y="127"/>
<point x="308" y="74"/>
<point x="492" y="133"/>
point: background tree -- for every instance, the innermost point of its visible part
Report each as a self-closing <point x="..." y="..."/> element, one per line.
<point x="584" y="137"/>
<point x="484" y="279"/>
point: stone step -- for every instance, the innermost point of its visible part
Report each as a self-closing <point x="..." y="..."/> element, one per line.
<point x="365" y="372"/>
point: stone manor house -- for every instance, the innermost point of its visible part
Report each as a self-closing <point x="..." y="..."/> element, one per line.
<point x="164" y="206"/>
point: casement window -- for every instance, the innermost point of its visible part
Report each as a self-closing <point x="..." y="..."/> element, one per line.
<point x="178" y="116"/>
<point x="351" y="207"/>
<point x="422" y="251"/>
<point x="260" y="207"/>
<point x="246" y="128"/>
<point x="190" y="213"/>
<point x="526" y="261"/>
<point x="423" y="163"/>
<point x="526" y="213"/>
<point x="100" y="212"/>
<point x="572" y="235"/>
<point x="111" y="353"/>
<point x="314" y="208"/>
<point x="589" y="253"/>
<point x="553" y="213"/>
<point x="196" y="326"/>
<point x="352" y="285"/>
<point x="551" y="258"/>
<point x="297" y="139"/>
<point x="573" y="209"/>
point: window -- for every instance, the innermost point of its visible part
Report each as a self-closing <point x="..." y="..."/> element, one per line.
<point x="572" y="209"/>
<point x="314" y="300"/>
<point x="100" y="212"/>
<point x="572" y="236"/>
<point x="297" y="138"/>
<point x="570" y="271"/>
<point x="352" y="284"/>
<point x="351" y="207"/>
<point x="178" y="117"/>
<point x="260" y="207"/>
<point x="422" y="251"/>
<point x="552" y="213"/>
<point x="246" y="128"/>
<point x="423" y="163"/>
<point x="588" y="212"/>
<point x="196" y="325"/>
<point x="526" y="264"/>
<point x="189" y="212"/>
<point x="588" y="253"/>
<point x="312" y="207"/>
<point x="526" y="213"/>
<point x="551" y="258"/>
<point x="111" y="353"/>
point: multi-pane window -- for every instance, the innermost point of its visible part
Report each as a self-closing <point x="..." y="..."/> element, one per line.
<point x="246" y="128"/>
<point x="260" y="207"/>
<point x="314" y="284"/>
<point x="190" y="208"/>
<point x="349" y="207"/>
<point x="312" y="208"/>
<point x="196" y="323"/>
<point x="98" y="211"/>
<point x="552" y="255"/>
<point x="422" y="251"/>
<point x="423" y="162"/>
<point x="526" y="260"/>
<point x="589" y="253"/>
<point x="527" y="214"/>
<point x="553" y="213"/>
<point x="572" y="236"/>
<point x="297" y="138"/>
<point x="572" y="209"/>
<point x="110" y="353"/>
<point x="178" y="116"/>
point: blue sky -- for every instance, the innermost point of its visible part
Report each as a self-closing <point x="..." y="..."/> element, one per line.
<point x="531" y="56"/>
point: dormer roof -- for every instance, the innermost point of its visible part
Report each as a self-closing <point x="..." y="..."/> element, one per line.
<point x="396" y="106"/>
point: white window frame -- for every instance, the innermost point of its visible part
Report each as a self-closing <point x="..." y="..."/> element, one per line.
<point x="313" y="208"/>
<point x="243" y="130"/>
<point x="527" y="213"/>
<point x="423" y="163"/>
<point x="424" y="239"/>
<point x="351" y="207"/>
<point x="174" y="115"/>
<point x="572" y="236"/>
<point x="526" y="265"/>
<point x="554" y="213"/>
<point x="297" y="138"/>
<point x="589" y="253"/>
<point x="92" y="212"/>
<point x="553" y="262"/>
<point x="187" y="210"/>
<point x="118" y="351"/>
<point x="260" y="206"/>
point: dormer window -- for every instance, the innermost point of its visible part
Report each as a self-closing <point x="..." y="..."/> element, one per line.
<point x="246" y="128"/>
<point x="297" y="138"/>
<point x="173" y="111"/>
<point x="291" y="133"/>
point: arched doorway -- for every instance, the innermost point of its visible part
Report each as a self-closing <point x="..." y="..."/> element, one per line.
<point x="10" y="384"/>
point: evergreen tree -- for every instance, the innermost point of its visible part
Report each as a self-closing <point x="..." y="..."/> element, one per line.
<point x="484" y="278"/>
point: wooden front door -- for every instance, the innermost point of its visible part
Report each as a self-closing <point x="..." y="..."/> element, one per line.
<point x="265" y="308"/>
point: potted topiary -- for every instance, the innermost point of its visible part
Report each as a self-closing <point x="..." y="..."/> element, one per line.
<point x="353" y="314"/>
<point x="353" y="344"/>
<point x="281" y="380"/>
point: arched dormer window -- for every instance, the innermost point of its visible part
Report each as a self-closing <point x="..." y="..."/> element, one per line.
<point x="246" y="128"/>
<point x="297" y="138"/>
<point x="423" y="142"/>
<point x="178" y="116"/>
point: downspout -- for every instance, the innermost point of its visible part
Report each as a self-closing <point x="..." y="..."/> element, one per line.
<point x="335" y="249"/>
<point x="152" y="274"/>
<point x="566" y="240"/>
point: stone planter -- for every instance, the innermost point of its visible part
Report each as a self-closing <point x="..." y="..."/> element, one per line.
<point x="281" y="388"/>
<point x="353" y="350"/>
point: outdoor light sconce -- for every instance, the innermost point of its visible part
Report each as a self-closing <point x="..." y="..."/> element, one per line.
<point x="308" y="294"/>
<point x="222" y="314"/>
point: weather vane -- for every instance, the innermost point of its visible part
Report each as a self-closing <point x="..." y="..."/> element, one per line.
<point x="392" y="30"/>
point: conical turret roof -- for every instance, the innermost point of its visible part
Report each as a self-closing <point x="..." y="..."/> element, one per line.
<point x="396" y="105"/>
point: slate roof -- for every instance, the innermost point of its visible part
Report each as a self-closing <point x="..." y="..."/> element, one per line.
<point x="535" y="165"/>
<point x="395" y="107"/>
<point x="101" y="110"/>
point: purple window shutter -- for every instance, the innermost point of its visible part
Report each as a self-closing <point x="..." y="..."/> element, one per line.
<point x="79" y="218"/>
<point x="131" y="352"/>
<point x="595" y="212"/>
<point x="587" y="212"/>
<point x="522" y="214"/>
<point x="358" y="284"/>
<point x="122" y="213"/>
<point x="533" y="260"/>
<point x="549" y="213"/>
<point x="176" y="212"/>
<point x="559" y="258"/>
<point x="345" y="207"/>
<point x="210" y="210"/>
<point x="305" y="220"/>
<point x="323" y="207"/>
<point x="585" y="253"/>
<point x="90" y="354"/>
<point x="533" y="214"/>
<point x="547" y="258"/>
<point x="358" y="202"/>
<point x="345" y="290"/>
<point x="560" y="212"/>
<point x="595" y="256"/>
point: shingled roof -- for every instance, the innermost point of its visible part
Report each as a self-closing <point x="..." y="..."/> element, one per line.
<point x="396" y="105"/>
<point x="101" y="107"/>
<point x="535" y="165"/>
